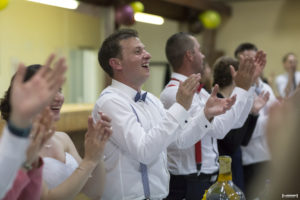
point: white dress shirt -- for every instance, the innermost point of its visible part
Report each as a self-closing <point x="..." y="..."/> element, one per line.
<point x="12" y="155"/>
<point x="282" y="80"/>
<point x="257" y="149"/>
<point x="182" y="161"/>
<point x="146" y="142"/>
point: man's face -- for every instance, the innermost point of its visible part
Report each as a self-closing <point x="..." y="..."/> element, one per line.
<point x="135" y="61"/>
<point x="291" y="63"/>
<point x="247" y="53"/>
<point x="198" y="57"/>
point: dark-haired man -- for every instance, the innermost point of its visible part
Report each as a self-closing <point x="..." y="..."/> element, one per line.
<point x="135" y="155"/>
<point x="256" y="155"/>
<point x="195" y="168"/>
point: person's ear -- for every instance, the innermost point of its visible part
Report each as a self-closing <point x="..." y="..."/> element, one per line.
<point x="189" y="55"/>
<point x="115" y="63"/>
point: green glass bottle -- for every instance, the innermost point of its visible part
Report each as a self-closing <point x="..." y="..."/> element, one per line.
<point x="224" y="188"/>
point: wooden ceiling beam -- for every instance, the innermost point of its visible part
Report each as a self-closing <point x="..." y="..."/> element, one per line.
<point x="197" y="4"/>
<point x="179" y="10"/>
<point x="201" y="5"/>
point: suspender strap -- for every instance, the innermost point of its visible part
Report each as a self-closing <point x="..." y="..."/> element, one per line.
<point x="143" y="168"/>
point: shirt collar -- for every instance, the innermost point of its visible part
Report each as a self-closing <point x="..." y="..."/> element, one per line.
<point x="179" y="77"/>
<point x="260" y="83"/>
<point x="124" y="88"/>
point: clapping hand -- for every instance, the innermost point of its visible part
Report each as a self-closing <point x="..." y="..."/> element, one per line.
<point x="31" y="97"/>
<point x="96" y="137"/>
<point x="43" y="128"/>
<point x="187" y="90"/>
<point x="260" y="61"/>
<point x="245" y="74"/>
<point x="217" y="106"/>
<point x="259" y="102"/>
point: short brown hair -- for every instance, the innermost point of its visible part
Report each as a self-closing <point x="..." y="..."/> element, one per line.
<point x="176" y="47"/>
<point x="222" y="72"/>
<point x="111" y="48"/>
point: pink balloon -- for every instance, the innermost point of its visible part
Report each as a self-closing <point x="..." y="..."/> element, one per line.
<point x="124" y="15"/>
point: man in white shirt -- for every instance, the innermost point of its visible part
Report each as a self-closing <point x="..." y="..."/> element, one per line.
<point x="288" y="82"/>
<point x="27" y="100"/>
<point x="135" y="155"/>
<point x="188" y="180"/>
<point x="256" y="155"/>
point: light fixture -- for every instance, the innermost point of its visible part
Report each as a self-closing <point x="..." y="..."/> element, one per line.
<point x="70" y="4"/>
<point x="148" y="18"/>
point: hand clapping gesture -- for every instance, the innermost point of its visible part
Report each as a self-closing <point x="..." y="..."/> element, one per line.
<point x="96" y="137"/>
<point x="217" y="106"/>
<point x="250" y="69"/>
<point x="259" y="102"/>
<point x="31" y="97"/>
<point x="245" y="74"/>
<point x="187" y="90"/>
<point x="43" y="128"/>
<point x="260" y="63"/>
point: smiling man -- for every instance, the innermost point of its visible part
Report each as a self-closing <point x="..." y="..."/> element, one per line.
<point x="135" y="155"/>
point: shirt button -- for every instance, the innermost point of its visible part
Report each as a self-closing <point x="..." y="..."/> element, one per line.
<point x="185" y="121"/>
<point x="205" y="126"/>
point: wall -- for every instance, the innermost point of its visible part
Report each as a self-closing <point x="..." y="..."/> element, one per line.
<point x="273" y="26"/>
<point x="30" y="31"/>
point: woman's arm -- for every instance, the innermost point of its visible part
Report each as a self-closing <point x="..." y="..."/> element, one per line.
<point x="95" y="140"/>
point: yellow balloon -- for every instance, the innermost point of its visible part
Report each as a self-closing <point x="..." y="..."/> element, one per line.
<point x="137" y="6"/>
<point x="210" y="19"/>
<point x="3" y="4"/>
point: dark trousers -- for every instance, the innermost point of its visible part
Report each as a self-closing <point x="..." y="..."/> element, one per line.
<point x="237" y="169"/>
<point x="189" y="187"/>
<point x="255" y="176"/>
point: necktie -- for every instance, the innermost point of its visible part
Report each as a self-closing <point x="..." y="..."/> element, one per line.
<point x="143" y="167"/>
<point x="198" y="150"/>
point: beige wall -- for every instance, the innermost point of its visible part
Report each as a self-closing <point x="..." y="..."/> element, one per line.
<point x="273" y="25"/>
<point x="30" y="31"/>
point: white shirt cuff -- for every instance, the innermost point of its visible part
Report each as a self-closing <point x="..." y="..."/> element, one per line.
<point x="179" y="113"/>
<point x="203" y="121"/>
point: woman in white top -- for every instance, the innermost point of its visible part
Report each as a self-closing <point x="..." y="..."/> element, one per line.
<point x="65" y="174"/>
<point x="36" y="94"/>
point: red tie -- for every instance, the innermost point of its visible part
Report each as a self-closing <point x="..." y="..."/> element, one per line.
<point x="198" y="151"/>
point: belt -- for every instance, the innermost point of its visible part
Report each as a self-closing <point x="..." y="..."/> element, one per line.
<point x="205" y="177"/>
